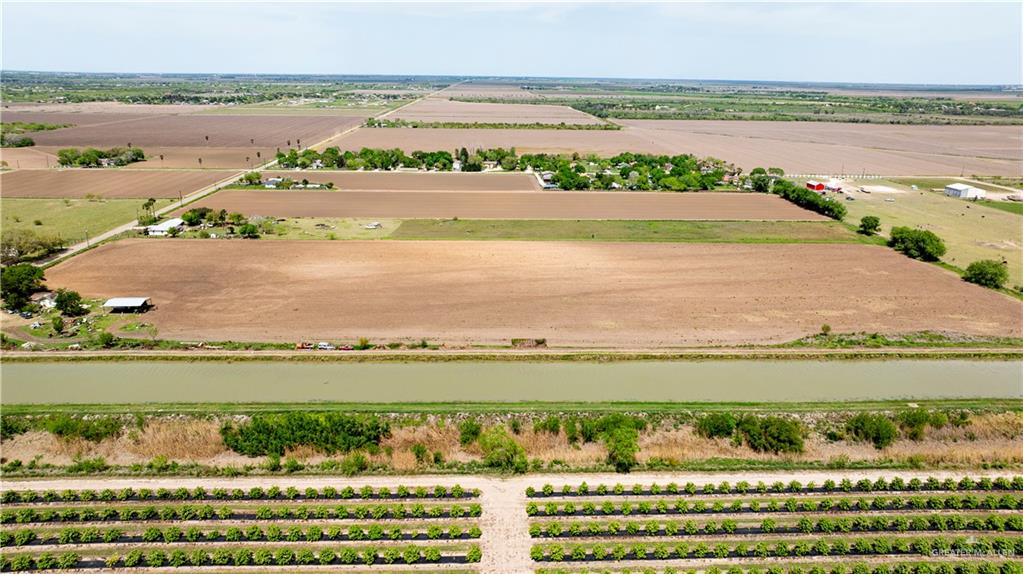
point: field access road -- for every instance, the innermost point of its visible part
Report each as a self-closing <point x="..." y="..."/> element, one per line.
<point x="505" y="525"/>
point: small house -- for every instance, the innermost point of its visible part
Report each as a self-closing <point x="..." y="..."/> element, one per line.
<point x="963" y="191"/>
<point x="162" y="229"/>
<point x="813" y="185"/>
<point x="128" y="304"/>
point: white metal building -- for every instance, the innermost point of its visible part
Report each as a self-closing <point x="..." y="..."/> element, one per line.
<point x="963" y="191"/>
<point x="128" y="304"/>
<point x="161" y="229"/>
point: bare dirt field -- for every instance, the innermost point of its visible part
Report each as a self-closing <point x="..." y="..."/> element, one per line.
<point x="511" y="205"/>
<point x="27" y="157"/>
<point x="807" y="147"/>
<point x="421" y="181"/>
<point x="480" y="90"/>
<point x="571" y="293"/>
<point x="106" y="183"/>
<point x="441" y="110"/>
<point x="254" y="131"/>
<point x="601" y="142"/>
<point x="106" y="107"/>
<point x="797" y="147"/>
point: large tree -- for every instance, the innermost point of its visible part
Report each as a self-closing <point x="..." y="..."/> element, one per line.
<point x="18" y="283"/>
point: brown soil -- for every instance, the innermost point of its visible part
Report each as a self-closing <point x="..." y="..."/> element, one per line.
<point x="255" y="131"/>
<point x="27" y="158"/>
<point x="510" y="205"/>
<point x="441" y="110"/>
<point x="582" y="293"/>
<point x="107" y="183"/>
<point x="417" y="181"/>
<point x="796" y="147"/>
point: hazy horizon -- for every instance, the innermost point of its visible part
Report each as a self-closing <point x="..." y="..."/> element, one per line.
<point x="943" y="44"/>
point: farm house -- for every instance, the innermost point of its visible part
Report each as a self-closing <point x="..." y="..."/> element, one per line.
<point x="963" y="191"/>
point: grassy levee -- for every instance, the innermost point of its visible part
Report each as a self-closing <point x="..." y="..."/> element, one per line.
<point x="622" y="230"/>
<point x="973" y="404"/>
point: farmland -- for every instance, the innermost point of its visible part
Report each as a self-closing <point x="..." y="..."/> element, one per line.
<point x="71" y="219"/>
<point x="795" y="147"/>
<point x="440" y="110"/>
<point x="603" y="294"/>
<point x="970" y="231"/>
<point x="510" y="205"/>
<point x="106" y="184"/>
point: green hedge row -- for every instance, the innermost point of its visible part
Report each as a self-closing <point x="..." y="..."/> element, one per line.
<point x="410" y="554"/>
<point x="973" y="567"/>
<point x="896" y="484"/>
<point x="256" y="493"/>
<point x="683" y="506"/>
<point x="824" y="525"/>
<point x="782" y="548"/>
<point x="273" y="533"/>
<point x="207" y="512"/>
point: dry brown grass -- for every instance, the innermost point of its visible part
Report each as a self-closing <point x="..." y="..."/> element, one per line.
<point x="176" y="439"/>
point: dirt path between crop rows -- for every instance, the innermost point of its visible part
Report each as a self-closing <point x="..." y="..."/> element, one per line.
<point x="505" y="541"/>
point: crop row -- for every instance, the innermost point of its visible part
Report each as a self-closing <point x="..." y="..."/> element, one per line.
<point x="273" y="533"/>
<point x="782" y="548"/>
<point x="256" y="493"/>
<point x="824" y="525"/>
<point x="684" y="506"/>
<point x="828" y="486"/>
<point x="370" y="555"/>
<point x="945" y="567"/>
<point x="207" y="512"/>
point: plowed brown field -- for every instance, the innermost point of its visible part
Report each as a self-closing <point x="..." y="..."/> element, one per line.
<point x="804" y="148"/>
<point x="572" y="293"/>
<point x="255" y="131"/>
<point x="27" y="157"/>
<point x="107" y="183"/>
<point x="441" y="110"/>
<point x="424" y="181"/>
<point x="510" y="205"/>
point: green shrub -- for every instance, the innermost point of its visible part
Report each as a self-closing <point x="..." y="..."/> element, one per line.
<point x="987" y="273"/>
<point x="469" y="432"/>
<point x="771" y="434"/>
<point x="264" y="434"/>
<point x="917" y="243"/>
<point x="869" y="225"/>
<point x="873" y="428"/>
<point x="500" y="451"/>
<point x="91" y="429"/>
<point x="716" y="425"/>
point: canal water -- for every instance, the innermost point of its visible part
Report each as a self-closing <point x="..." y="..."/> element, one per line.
<point x="683" y="381"/>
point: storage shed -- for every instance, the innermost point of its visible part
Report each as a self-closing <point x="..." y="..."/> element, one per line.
<point x="128" y="304"/>
<point x="963" y="191"/>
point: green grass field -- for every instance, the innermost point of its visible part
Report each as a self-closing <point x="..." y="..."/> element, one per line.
<point x="970" y="231"/>
<point x="1016" y="208"/>
<point x="650" y="231"/>
<point x="71" y="219"/>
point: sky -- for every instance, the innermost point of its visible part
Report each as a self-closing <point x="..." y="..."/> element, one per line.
<point x="868" y="42"/>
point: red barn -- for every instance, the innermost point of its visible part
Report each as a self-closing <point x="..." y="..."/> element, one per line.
<point x="814" y="185"/>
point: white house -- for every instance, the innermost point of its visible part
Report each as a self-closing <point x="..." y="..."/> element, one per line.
<point x="163" y="228"/>
<point x="963" y="191"/>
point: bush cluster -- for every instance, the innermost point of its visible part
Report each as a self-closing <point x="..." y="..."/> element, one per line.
<point x="820" y="547"/>
<point x="824" y="525"/>
<point x="809" y="199"/>
<point x="207" y="512"/>
<point x="328" y="432"/>
<point x="916" y="243"/>
<point x="92" y="157"/>
<point x="273" y="533"/>
<point x="368" y="556"/>
<point x="881" y="484"/>
<point x="254" y="493"/>
<point x="683" y="506"/>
